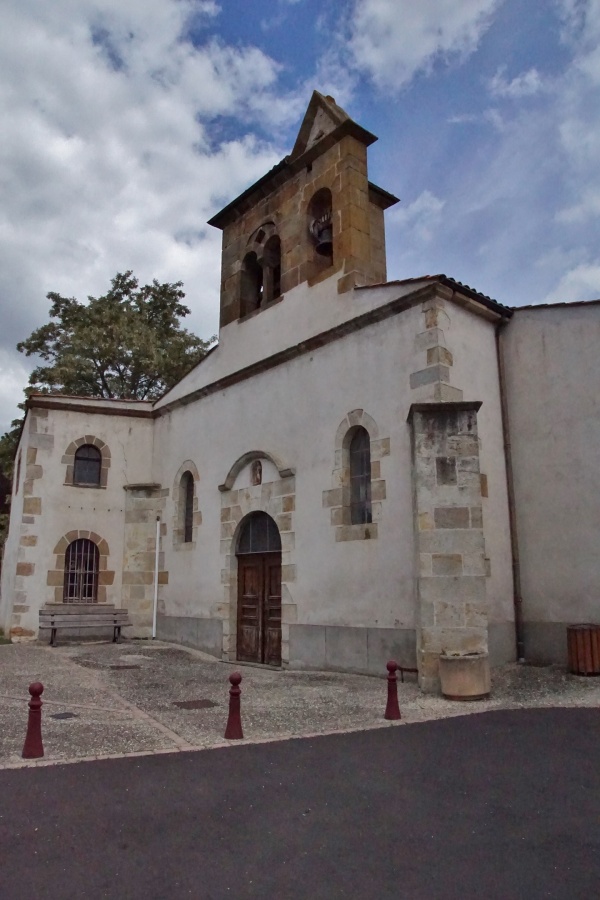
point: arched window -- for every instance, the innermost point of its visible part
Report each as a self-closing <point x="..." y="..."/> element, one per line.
<point x="272" y="269"/>
<point x="320" y="223"/>
<point x="187" y="506"/>
<point x="259" y="534"/>
<point x="81" y="572"/>
<point x="360" y="477"/>
<point x="87" y="465"/>
<point x="252" y="284"/>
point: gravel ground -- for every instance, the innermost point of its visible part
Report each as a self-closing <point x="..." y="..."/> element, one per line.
<point x="122" y="698"/>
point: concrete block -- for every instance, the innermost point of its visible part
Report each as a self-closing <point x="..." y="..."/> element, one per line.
<point x="307" y="647"/>
<point x="384" y="644"/>
<point x="346" y="648"/>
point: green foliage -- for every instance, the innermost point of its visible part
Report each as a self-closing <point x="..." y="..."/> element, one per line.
<point x="127" y="344"/>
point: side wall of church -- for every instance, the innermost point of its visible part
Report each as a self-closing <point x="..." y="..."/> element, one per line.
<point x="552" y="378"/>
<point x="55" y="512"/>
<point x="348" y="591"/>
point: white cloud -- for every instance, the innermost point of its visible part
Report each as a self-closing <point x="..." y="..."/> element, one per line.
<point x="524" y="85"/>
<point x="113" y="158"/>
<point x="421" y="217"/>
<point x="392" y="40"/>
<point x="580" y="283"/>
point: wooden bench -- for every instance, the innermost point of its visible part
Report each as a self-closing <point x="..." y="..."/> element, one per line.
<point x="55" y="616"/>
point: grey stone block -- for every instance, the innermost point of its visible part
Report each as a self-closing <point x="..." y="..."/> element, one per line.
<point x="201" y="634"/>
<point x="307" y="647"/>
<point x="545" y="642"/>
<point x="346" y="648"/>
<point x="501" y="643"/>
<point x="384" y="644"/>
<point x="429" y="375"/>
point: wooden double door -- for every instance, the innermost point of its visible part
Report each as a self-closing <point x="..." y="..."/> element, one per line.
<point x="259" y="608"/>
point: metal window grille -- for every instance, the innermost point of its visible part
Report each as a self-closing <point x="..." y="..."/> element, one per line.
<point x="188" y="512"/>
<point x="360" y="478"/>
<point x="88" y="463"/>
<point x="81" y="572"/>
<point x="259" y="535"/>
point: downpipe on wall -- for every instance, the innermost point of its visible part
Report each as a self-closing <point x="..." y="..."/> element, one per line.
<point x="510" y="487"/>
<point x="155" y="602"/>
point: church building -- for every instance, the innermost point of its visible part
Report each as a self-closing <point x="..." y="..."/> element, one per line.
<point x="360" y="470"/>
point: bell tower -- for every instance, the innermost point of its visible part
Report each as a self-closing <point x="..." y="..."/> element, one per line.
<point x="315" y="215"/>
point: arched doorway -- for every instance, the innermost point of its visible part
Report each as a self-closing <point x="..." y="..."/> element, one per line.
<point x="259" y="591"/>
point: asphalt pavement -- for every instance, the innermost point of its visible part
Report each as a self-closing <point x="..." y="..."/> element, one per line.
<point x="502" y="804"/>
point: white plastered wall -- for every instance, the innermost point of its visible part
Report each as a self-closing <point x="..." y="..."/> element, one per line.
<point x="59" y="508"/>
<point x="553" y="389"/>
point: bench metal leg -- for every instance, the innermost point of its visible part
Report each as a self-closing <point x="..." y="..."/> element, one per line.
<point x="53" y="637"/>
<point x="117" y="635"/>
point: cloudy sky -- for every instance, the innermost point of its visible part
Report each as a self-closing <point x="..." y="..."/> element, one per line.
<point x="128" y="123"/>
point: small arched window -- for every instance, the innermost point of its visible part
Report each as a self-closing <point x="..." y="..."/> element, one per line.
<point x="320" y="216"/>
<point x="272" y="269"/>
<point x="87" y="465"/>
<point x="360" y="477"/>
<point x="81" y="572"/>
<point x="252" y="284"/>
<point x="187" y="505"/>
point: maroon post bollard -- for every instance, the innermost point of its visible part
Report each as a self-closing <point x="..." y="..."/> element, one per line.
<point x="392" y="710"/>
<point x="33" y="747"/>
<point x="234" y="732"/>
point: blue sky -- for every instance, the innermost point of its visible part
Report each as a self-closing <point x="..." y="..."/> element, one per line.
<point x="128" y="125"/>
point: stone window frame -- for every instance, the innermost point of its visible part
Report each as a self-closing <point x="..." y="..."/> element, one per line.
<point x="277" y="499"/>
<point x="258" y="244"/>
<point x="179" y="504"/>
<point x="69" y="460"/>
<point x="337" y="499"/>
<point x="55" y="578"/>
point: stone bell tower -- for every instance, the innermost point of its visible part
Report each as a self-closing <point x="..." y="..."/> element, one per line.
<point x="314" y="215"/>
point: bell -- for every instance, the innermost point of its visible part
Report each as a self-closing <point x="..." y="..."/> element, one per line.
<point x="325" y="242"/>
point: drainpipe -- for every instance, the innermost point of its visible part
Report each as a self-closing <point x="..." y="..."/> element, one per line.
<point x="155" y="605"/>
<point x="512" y="514"/>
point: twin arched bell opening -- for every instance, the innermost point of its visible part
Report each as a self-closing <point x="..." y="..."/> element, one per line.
<point x="322" y="232"/>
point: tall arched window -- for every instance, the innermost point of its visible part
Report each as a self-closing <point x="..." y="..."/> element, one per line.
<point x="320" y="216"/>
<point x="87" y="465"/>
<point x="272" y="269"/>
<point x="360" y="477"/>
<point x="252" y="284"/>
<point x="187" y="505"/>
<point x="81" y="572"/>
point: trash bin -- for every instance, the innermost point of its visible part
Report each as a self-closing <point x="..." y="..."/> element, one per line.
<point x="583" y="642"/>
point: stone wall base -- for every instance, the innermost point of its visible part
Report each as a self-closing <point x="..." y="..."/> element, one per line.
<point x="343" y="649"/>
<point x="546" y="642"/>
<point x="502" y="643"/>
<point x="201" y="634"/>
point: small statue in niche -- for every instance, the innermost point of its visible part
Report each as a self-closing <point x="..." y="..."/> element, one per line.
<point x="256" y="472"/>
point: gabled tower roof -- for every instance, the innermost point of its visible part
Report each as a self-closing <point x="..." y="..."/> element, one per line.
<point x="324" y="124"/>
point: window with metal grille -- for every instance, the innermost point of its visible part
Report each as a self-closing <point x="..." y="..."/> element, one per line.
<point x="81" y="572"/>
<point x="259" y="534"/>
<point x="187" y="496"/>
<point x="88" y="463"/>
<point x="360" y="477"/>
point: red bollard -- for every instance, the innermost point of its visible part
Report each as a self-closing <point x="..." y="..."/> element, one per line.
<point x="33" y="747"/>
<point x="234" y="732"/>
<point x="392" y="710"/>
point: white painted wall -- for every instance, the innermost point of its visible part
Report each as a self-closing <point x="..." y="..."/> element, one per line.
<point x="302" y="313"/>
<point x="293" y="413"/>
<point x="69" y="507"/>
<point x="553" y="387"/>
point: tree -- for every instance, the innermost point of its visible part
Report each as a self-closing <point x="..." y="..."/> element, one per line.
<point x="127" y="344"/>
